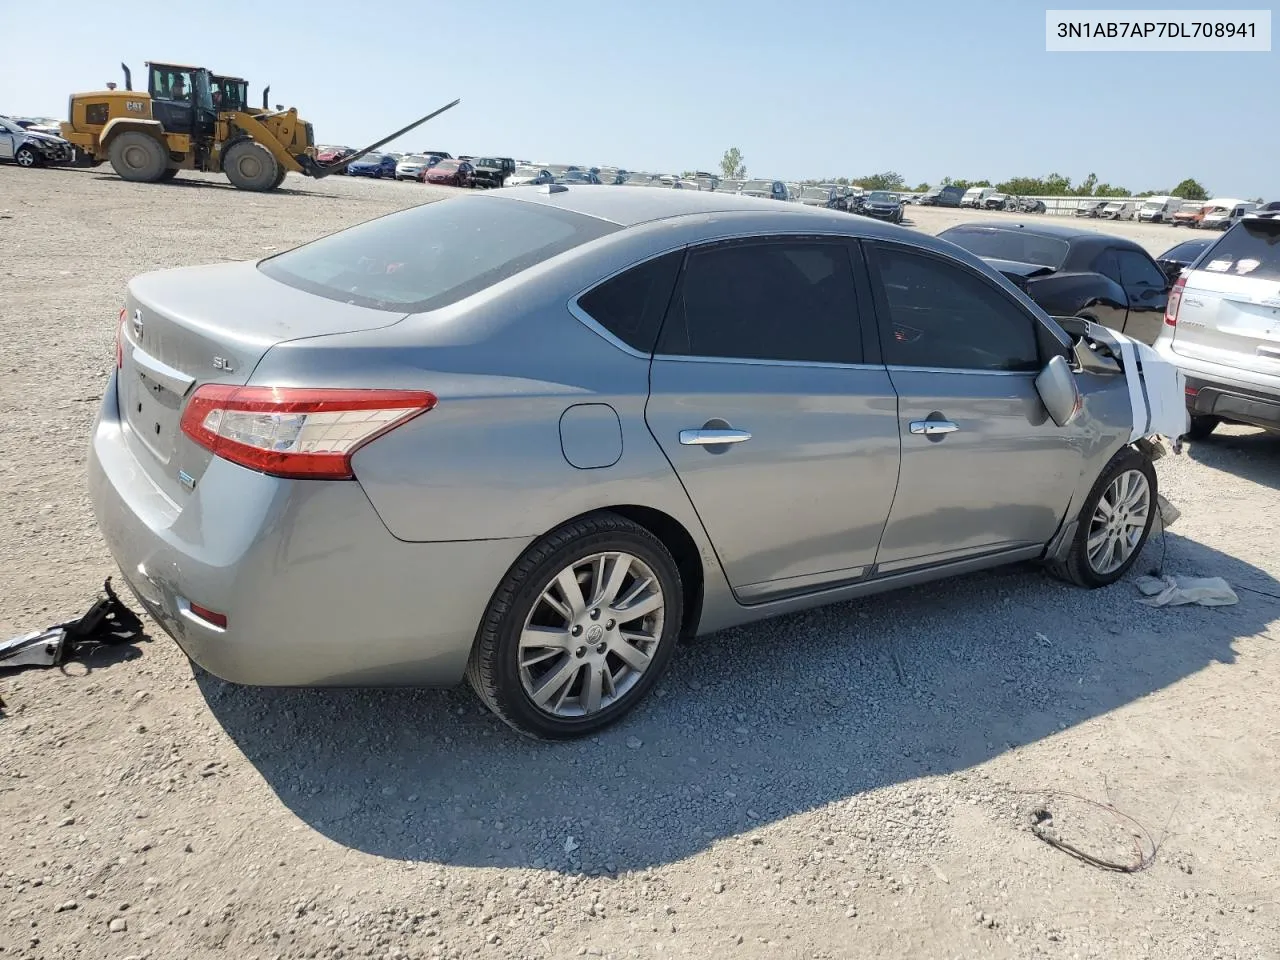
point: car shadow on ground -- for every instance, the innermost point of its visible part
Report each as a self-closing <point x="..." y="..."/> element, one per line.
<point x="188" y="183"/>
<point x="1254" y="455"/>
<point x="750" y="725"/>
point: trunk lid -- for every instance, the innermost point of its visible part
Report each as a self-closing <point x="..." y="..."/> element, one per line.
<point x="210" y="324"/>
<point x="1230" y="310"/>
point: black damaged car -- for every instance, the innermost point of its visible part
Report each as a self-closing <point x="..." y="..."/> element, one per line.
<point x="882" y="205"/>
<point x="1076" y="273"/>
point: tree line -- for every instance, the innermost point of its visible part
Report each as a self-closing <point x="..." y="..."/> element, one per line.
<point x="733" y="167"/>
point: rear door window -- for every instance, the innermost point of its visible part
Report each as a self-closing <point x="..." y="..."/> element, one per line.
<point x="1107" y="265"/>
<point x="784" y="300"/>
<point x="1250" y="249"/>
<point x="1138" y="273"/>
<point x="433" y="255"/>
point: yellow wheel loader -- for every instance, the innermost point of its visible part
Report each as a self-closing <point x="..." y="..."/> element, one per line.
<point x="179" y="124"/>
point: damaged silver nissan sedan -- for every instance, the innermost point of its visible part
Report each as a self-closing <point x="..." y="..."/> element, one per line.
<point x="533" y="437"/>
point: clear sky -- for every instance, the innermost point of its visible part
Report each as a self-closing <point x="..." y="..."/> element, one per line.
<point x="816" y="89"/>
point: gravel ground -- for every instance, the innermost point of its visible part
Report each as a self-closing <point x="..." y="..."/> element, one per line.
<point x="852" y="781"/>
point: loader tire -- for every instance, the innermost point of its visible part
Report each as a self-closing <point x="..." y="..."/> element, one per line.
<point x="250" y="166"/>
<point x="169" y="174"/>
<point x="279" y="177"/>
<point x="138" y="157"/>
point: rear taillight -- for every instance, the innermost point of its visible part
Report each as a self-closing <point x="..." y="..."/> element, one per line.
<point x="1175" y="302"/>
<point x="296" y="432"/>
<point x="120" y="341"/>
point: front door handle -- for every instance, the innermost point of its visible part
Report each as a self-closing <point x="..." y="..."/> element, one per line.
<point x="931" y="427"/>
<point x="703" y="438"/>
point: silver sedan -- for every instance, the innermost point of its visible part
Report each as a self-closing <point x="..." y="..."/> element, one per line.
<point x="535" y="437"/>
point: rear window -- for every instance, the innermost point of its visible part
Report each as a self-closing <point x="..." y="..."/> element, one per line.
<point x="1186" y="251"/>
<point x="1249" y="249"/>
<point x="430" y="256"/>
<point x="1009" y="245"/>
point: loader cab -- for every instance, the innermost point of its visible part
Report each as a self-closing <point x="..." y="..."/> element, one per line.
<point x="229" y="93"/>
<point x="182" y="99"/>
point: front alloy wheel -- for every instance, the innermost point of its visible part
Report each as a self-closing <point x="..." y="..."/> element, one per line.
<point x="1119" y="522"/>
<point x="1113" y="524"/>
<point x="580" y="629"/>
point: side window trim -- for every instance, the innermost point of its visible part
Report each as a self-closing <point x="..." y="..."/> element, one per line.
<point x="872" y="354"/>
<point x="872" y="250"/>
<point x="862" y="299"/>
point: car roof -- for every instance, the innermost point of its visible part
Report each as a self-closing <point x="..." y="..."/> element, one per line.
<point x="632" y="206"/>
<point x="1056" y="231"/>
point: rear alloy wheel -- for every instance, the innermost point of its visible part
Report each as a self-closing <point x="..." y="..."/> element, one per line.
<point x="138" y="157"/>
<point x="250" y="166"/>
<point x="1114" y="522"/>
<point x="1202" y="425"/>
<point x="27" y="157"/>
<point x="580" y="630"/>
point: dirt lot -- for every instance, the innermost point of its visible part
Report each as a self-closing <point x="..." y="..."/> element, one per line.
<point x="849" y="782"/>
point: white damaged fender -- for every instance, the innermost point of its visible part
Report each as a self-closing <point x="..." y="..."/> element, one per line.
<point x="1157" y="388"/>
<point x="1157" y="391"/>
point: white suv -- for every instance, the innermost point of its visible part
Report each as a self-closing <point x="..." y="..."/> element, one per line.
<point x="1222" y="329"/>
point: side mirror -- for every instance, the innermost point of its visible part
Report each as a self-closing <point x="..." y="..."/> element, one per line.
<point x="1171" y="269"/>
<point x="1058" y="390"/>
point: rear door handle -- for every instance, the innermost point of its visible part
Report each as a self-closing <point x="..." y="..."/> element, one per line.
<point x="703" y="438"/>
<point x="931" y="427"/>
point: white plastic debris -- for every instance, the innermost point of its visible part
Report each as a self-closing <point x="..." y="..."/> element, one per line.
<point x="1177" y="591"/>
<point x="570" y="844"/>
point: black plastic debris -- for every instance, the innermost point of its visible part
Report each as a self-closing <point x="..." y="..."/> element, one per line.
<point x="107" y="623"/>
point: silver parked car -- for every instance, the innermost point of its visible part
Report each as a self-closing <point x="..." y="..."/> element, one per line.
<point x="29" y="147"/>
<point x="410" y="167"/>
<point x="536" y="436"/>
<point x="1222" y="329"/>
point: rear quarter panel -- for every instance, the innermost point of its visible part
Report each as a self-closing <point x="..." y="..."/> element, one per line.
<point x="1076" y="294"/>
<point x="488" y="462"/>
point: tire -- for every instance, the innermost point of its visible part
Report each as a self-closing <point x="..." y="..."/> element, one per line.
<point x="138" y="157"/>
<point x="250" y="166"/>
<point x="279" y="177"/>
<point x="169" y="174"/>
<point x="28" y="157"/>
<point x="530" y="597"/>
<point x="1202" y="425"/>
<point x="1092" y="572"/>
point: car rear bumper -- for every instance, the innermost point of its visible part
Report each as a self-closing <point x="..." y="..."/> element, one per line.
<point x="316" y="591"/>
<point x="1217" y="390"/>
<point x="1235" y="403"/>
